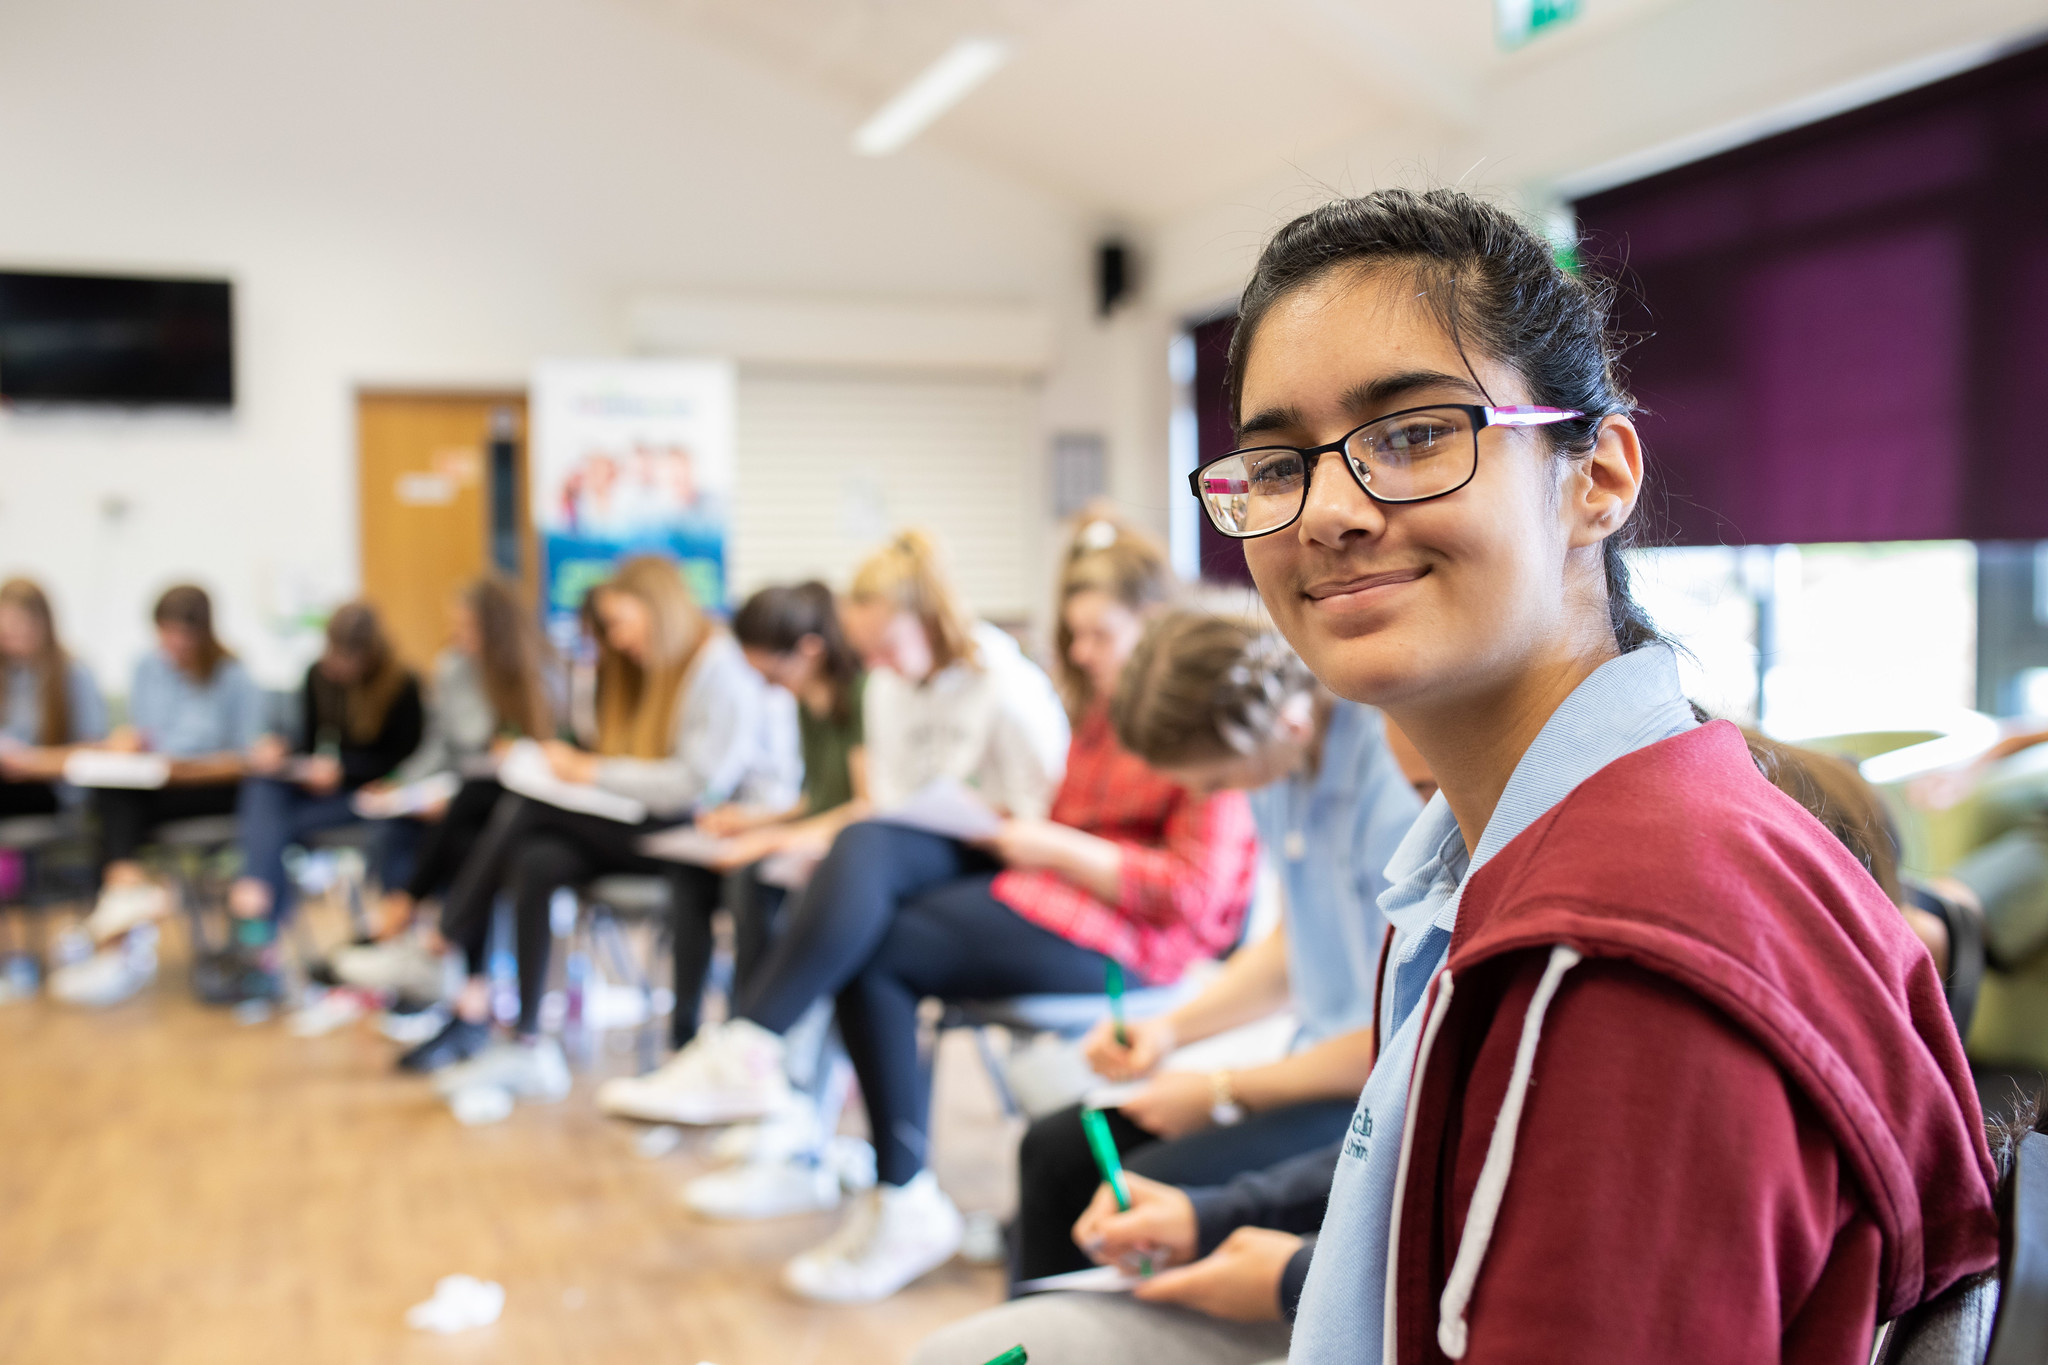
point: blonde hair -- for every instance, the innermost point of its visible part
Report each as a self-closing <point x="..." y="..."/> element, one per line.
<point x="1108" y="556"/>
<point x="636" y="704"/>
<point x="1199" y="688"/>
<point x="50" y="663"/>
<point x="909" y="574"/>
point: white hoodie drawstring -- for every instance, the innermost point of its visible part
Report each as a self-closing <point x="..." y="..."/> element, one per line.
<point x="1388" y="1354"/>
<point x="1452" y="1332"/>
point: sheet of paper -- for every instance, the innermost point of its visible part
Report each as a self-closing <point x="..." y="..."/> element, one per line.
<point x="105" y="768"/>
<point x="946" y="806"/>
<point x="790" y="869"/>
<point x="687" y="844"/>
<point x="1100" y="1279"/>
<point x="410" y="799"/>
<point x="526" y="771"/>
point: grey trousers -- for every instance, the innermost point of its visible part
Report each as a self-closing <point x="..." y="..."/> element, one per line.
<point x="1102" y="1329"/>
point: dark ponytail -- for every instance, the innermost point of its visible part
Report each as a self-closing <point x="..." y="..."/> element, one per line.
<point x="1496" y="285"/>
<point x="776" y="619"/>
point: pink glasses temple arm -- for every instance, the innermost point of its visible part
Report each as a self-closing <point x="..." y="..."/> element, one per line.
<point x="1526" y="416"/>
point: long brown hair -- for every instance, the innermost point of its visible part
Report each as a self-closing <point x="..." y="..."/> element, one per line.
<point x="909" y="574"/>
<point x="1199" y="688"/>
<point x="51" y="665"/>
<point x="1107" y="556"/>
<point x="187" y="606"/>
<point x="355" y="631"/>
<point x="636" y="706"/>
<point x="513" y="657"/>
<point x="776" y="619"/>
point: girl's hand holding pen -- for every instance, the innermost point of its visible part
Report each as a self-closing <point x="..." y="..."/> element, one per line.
<point x="1160" y="1224"/>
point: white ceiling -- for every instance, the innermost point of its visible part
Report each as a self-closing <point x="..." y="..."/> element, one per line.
<point x="1142" y="108"/>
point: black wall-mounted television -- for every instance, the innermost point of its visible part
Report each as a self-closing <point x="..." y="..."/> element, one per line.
<point x="116" y="340"/>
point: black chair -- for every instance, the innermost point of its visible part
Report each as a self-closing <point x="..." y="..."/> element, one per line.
<point x="2001" y="1317"/>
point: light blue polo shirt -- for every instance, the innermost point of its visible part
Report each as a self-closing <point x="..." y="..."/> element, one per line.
<point x="1328" y="835"/>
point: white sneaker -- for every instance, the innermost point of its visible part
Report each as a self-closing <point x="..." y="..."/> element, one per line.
<point x="891" y="1237"/>
<point x="121" y="908"/>
<point x="401" y="967"/>
<point x="730" y="1073"/>
<point x="109" y="976"/>
<point x="327" y="1011"/>
<point x="535" y="1071"/>
<point x="765" y="1189"/>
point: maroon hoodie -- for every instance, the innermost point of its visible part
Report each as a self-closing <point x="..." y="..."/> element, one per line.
<point x="1742" y="1129"/>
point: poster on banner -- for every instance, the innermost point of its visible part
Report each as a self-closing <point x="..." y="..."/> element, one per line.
<point x="630" y="457"/>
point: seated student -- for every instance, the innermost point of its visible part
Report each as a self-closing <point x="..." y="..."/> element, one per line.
<point x="51" y="705"/>
<point x="494" y="683"/>
<point x="1627" y="974"/>
<point x="359" y="717"/>
<point x="191" y="700"/>
<point x="1217" y="706"/>
<point x="946" y="697"/>
<point x="682" y="723"/>
<point x="791" y="636"/>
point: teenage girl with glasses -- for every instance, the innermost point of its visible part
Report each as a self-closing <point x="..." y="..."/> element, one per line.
<point x="1664" y="1076"/>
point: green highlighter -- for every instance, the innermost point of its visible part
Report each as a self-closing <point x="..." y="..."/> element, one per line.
<point x="1014" y="1356"/>
<point x="1113" y="982"/>
<point x="1111" y="1165"/>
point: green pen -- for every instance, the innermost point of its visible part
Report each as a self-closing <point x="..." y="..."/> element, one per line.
<point x="1111" y="1165"/>
<point x="1014" y="1356"/>
<point x="1113" y="982"/>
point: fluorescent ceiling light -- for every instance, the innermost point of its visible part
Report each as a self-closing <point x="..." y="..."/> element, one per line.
<point x="938" y="88"/>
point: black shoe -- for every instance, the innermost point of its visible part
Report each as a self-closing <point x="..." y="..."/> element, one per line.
<point x="233" y="978"/>
<point x="458" y="1042"/>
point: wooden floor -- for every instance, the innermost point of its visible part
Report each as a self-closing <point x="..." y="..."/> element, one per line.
<point x="176" y="1187"/>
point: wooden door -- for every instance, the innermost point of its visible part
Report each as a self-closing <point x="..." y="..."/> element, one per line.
<point x="426" y="477"/>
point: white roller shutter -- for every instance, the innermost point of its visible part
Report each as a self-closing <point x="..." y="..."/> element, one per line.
<point x="830" y="464"/>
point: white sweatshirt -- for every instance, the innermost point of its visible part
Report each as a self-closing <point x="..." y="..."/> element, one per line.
<point x="999" y="728"/>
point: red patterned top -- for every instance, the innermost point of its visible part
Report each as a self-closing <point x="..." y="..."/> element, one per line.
<point x="1188" y="867"/>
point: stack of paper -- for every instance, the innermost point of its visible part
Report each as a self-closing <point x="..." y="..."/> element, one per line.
<point x="105" y="768"/>
<point x="410" y="799"/>
<point x="949" y="807"/>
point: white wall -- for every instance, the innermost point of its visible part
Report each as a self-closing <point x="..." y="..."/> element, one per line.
<point x="412" y="194"/>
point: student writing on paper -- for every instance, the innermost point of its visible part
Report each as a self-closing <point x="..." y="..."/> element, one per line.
<point x="359" y="716"/>
<point x="496" y="681"/>
<point x="191" y="700"/>
<point x="1130" y="865"/>
<point x="682" y="723"/>
<point x="52" y="703"/>
<point x="1218" y="705"/>
<point x="791" y="636"/>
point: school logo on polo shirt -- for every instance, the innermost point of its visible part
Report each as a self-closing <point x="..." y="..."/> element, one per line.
<point x="1359" y="1141"/>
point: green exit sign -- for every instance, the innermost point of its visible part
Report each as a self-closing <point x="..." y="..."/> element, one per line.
<point x="1517" y="21"/>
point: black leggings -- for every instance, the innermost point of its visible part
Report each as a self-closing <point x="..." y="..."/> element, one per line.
<point x="446" y="843"/>
<point x="127" y="816"/>
<point x="27" y="798"/>
<point x="1057" y="1175"/>
<point x="755" y="908"/>
<point x="530" y="850"/>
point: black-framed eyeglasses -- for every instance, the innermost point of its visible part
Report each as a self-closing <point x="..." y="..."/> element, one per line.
<point x="1408" y="456"/>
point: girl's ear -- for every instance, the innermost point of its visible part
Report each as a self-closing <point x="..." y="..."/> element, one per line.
<point x="1605" y="483"/>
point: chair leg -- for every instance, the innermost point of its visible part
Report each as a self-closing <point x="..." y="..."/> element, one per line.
<point x="996" y="1075"/>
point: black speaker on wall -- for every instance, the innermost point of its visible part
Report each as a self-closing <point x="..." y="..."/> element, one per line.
<point x="1112" y="276"/>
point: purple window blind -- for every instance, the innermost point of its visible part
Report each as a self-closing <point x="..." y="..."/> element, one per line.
<point x="1215" y="434"/>
<point x="1843" y="329"/>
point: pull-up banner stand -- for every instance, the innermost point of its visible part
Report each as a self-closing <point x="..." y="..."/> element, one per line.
<point x="630" y="457"/>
